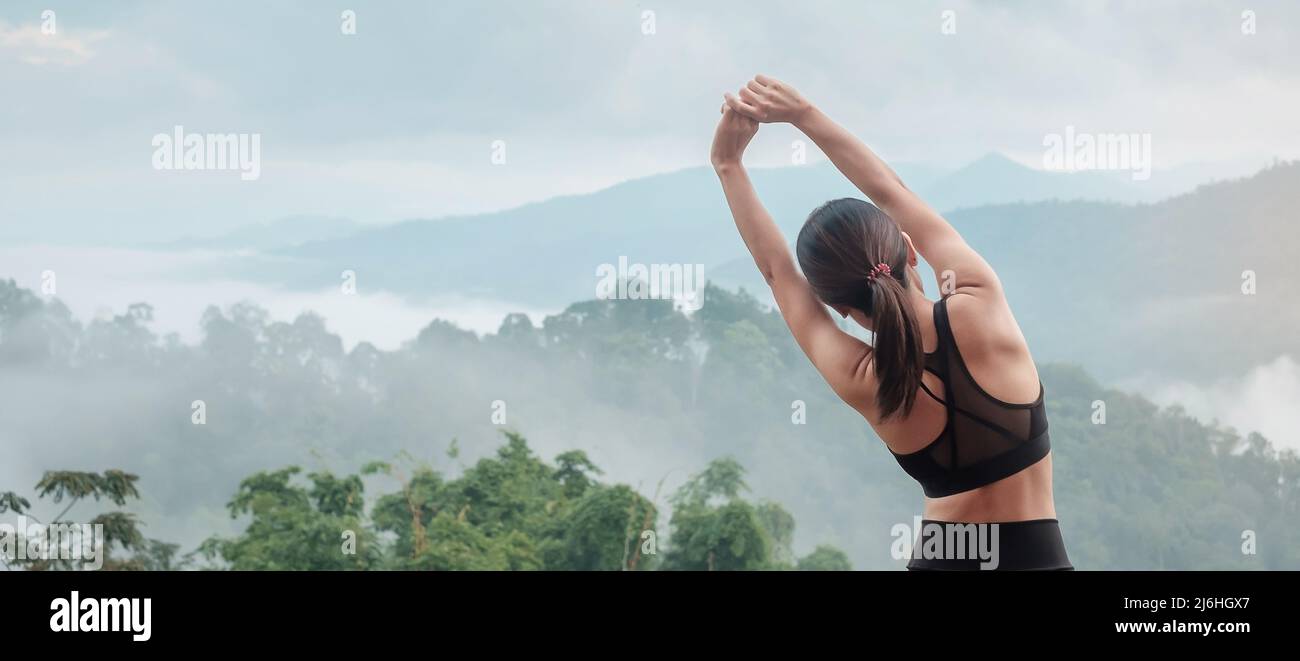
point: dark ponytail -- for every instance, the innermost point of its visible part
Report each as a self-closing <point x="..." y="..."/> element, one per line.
<point x="839" y="246"/>
<point x="898" y="355"/>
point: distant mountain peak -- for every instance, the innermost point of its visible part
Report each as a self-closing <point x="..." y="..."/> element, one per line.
<point x="995" y="160"/>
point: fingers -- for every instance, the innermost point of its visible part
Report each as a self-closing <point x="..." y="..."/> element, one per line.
<point x="759" y="103"/>
<point x="743" y="107"/>
<point x="732" y="117"/>
<point x="765" y="81"/>
<point x="738" y="120"/>
<point x="756" y="86"/>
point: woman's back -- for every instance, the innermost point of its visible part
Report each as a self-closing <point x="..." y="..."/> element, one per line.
<point x="950" y="387"/>
<point x="976" y="438"/>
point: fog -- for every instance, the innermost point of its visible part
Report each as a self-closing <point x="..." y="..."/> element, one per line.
<point x="1263" y="399"/>
<point x="96" y="282"/>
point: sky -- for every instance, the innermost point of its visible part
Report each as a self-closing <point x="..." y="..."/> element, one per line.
<point x="403" y="118"/>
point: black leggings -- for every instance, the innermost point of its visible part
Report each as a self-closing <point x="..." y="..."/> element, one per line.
<point x="1013" y="546"/>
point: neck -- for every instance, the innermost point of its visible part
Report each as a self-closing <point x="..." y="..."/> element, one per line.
<point x="923" y="309"/>
<point x="916" y="295"/>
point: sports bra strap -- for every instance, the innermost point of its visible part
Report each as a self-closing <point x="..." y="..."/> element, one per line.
<point x="931" y="393"/>
<point x="968" y="456"/>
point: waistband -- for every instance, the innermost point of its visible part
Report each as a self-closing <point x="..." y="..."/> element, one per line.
<point x="1030" y="545"/>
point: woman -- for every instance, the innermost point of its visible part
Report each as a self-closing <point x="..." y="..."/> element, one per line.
<point x="948" y="385"/>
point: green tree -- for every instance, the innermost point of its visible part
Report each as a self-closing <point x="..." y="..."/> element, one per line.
<point x="124" y="546"/>
<point x="317" y="526"/>
<point x="825" y="558"/>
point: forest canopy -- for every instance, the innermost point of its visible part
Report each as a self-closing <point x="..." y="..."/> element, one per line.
<point x="707" y="430"/>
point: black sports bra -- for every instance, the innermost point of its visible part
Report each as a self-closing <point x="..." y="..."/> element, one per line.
<point x="985" y="438"/>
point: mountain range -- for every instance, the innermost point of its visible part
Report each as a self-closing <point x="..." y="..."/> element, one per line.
<point x="1097" y="273"/>
<point x="546" y="253"/>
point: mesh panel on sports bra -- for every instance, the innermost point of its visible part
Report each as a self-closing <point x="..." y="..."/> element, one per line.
<point x="985" y="439"/>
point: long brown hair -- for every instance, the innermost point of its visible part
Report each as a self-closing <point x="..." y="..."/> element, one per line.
<point x="838" y="246"/>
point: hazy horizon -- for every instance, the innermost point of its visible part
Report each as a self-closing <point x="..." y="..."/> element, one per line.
<point x="352" y="127"/>
<point x="257" y="173"/>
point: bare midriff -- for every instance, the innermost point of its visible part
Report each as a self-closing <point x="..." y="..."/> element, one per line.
<point x="1025" y="496"/>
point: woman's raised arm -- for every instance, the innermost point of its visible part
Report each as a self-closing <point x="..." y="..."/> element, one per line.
<point x="839" y="357"/>
<point x="769" y="100"/>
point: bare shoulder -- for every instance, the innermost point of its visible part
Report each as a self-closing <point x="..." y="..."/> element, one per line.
<point x="992" y="345"/>
<point x="983" y="319"/>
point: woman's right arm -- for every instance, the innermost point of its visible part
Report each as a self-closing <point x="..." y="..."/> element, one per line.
<point x="770" y="100"/>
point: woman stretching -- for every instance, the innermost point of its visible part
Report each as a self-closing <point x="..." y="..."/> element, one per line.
<point x="948" y="385"/>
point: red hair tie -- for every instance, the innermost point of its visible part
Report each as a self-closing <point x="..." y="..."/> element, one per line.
<point x="877" y="271"/>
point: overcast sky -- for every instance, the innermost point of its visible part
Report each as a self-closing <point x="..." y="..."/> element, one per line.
<point x="398" y="120"/>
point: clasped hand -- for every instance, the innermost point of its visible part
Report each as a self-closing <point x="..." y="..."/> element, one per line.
<point x="763" y="99"/>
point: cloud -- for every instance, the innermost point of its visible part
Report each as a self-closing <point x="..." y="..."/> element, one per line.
<point x="31" y="45"/>
<point x="1262" y="400"/>
<point x="580" y="89"/>
<point x="101" y="282"/>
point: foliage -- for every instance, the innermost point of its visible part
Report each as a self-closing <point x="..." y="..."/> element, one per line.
<point x="122" y="545"/>
<point x="641" y="388"/>
<point x="508" y="512"/>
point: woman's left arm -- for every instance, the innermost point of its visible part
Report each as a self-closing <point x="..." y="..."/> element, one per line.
<point x="842" y="359"/>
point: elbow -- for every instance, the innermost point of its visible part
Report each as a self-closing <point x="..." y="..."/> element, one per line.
<point x="725" y="167"/>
